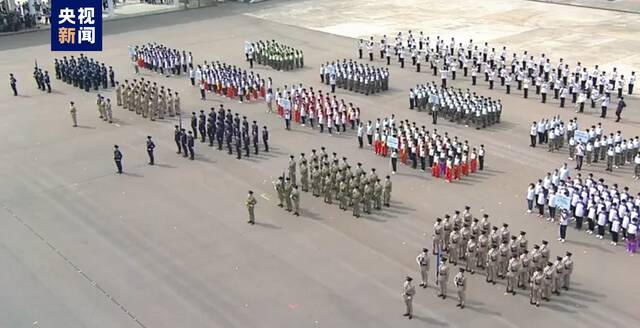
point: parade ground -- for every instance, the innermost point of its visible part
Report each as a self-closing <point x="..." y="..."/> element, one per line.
<point x="168" y="245"/>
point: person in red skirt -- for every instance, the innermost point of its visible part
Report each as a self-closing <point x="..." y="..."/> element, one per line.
<point x="435" y="169"/>
<point x="448" y="173"/>
<point x="456" y="168"/>
<point x="474" y="161"/>
<point x="464" y="167"/>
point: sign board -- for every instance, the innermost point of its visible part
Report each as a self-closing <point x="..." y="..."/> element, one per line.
<point x="581" y="136"/>
<point x="392" y="142"/>
<point x="76" y="25"/>
<point x="286" y="104"/>
<point x="563" y="202"/>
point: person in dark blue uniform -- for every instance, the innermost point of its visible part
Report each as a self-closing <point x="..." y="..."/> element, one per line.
<point x="177" y="137"/>
<point x="265" y="138"/>
<point x="150" y="147"/>
<point x="117" y="157"/>
<point x="191" y="144"/>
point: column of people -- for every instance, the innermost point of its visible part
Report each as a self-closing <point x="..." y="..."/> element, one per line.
<point x="228" y="81"/>
<point x="607" y="208"/>
<point x="525" y="71"/>
<point x="354" y="76"/>
<point x="160" y="59"/>
<point x="446" y="156"/>
<point x="461" y="107"/>
<point x="274" y="54"/>
<point x="334" y="180"/>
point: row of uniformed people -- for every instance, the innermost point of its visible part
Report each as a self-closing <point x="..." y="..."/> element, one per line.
<point x="457" y="106"/>
<point x="226" y="128"/>
<point x="501" y="254"/>
<point x="274" y="54"/>
<point x="84" y="72"/>
<point x="605" y="208"/>
<point x="335" y="181"/>
<point x="309" y="108"/>
<point x="469" y="55"/>
<point x="161" y="59"/>
<point x="229" y="81"/>
<point x="356" y="77"/>
<point x="148" y="99"/>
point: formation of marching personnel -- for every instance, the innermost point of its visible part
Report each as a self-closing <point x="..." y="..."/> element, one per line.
<point x="229" y="81"/>
<point x="274" y="54"/>
<point x="84" y="73"/>
<point x="354" y="76"/>
<point x="606" y="208"/>
<point x="462" y="107"/>
<point x="446" y="57"/>
<point x="160" y="59"/>
<point x="593" y="145"/>
<point x="224" y="127"/>
<point x="446" y="156"/>
<point x="501" y="254"/>
<point x="147" y="98"/>
<point x="306" y="107"/>
<point x="334" y="180"/>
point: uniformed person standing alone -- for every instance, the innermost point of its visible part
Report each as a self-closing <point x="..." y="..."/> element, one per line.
<point x="150" y="147"/>
<point x="251" y="204"/>
<point x="461" y="285"/>
<point x="423" y="263"/>
<point x="407" y="294"/>
<point x="117" y="157"/>
<point x="73" y="112"/>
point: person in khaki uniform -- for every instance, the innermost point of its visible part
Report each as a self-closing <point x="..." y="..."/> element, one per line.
<point x="386" y="192"/>
<point x="368" y="194"/>
<point x="328" y="189"/>
<point x="103" y="109"/>
<point x="408" y="291"/>
<point x="355" y="199"/>
<point x="73" y="112"/>
<point x="568" y="270"/>
<point x="151" y="109"/>
<point x="423" y="264"/>
<point x="503" y="259"/>
<point x="470" y="255"/>
<point x="460" y="281"/>
<point x="288" y="187"/>
<point x="342" y="195"/>
<point x="170" y="109"/>
<point x="99" y="106"/>
<point x="454" y="241"/>
<point x="443" y="278"/>
<point x="438" y="230"/>
<point x="176" y="104"/>
<point x="118" y="94"/>
<point x="377" y="195"/>
<point x="558" y="277"/>
<point x="125" y="96"/>
<point x="295" y="199"/>
<point x="162" y="107"/>
<point x="492" y="264"/>
<point x="512" y="273"/>
<point x="547" y="282"/>
<point x="279" y="186"/>
<point x="304" y="175"/>
<point x="536" y="287"/>
<point x="251" y="204"/>
<point x="525" y="269"/>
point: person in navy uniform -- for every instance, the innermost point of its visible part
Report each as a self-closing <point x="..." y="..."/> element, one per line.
<point x="211" y="127"/>
<point x="194" y="124"/>
<point x="177" y="137"/>
<point x="220" y="133"/>
<point x="265" y="138"/>
<point x="202" y="127"/>
<point x="112" y="77"/>
<point x="183" y="142"/>
<point x="47" y="81"/>
<point x="150" y="147"/>
<point x="191" y="144"/>
<point x="245" y="142"/>
<point x="117" y="157"/>
<point x="238" y="144"/>
<point x="228" y="135"/>
<point x="14" y="83"/>
<point x="254" y="136"/>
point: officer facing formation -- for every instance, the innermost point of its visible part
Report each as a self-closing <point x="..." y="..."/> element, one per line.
<point x="73" y="111"/>
<point x="251" y="204"/>
<point x="150" y="147"/>
<point x="408" y="291"/>
<point x="117" y="157"/>
<point x="14" y="84"/>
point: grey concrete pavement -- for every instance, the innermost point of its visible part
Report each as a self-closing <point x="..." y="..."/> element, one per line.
<point x="170" y="242"/>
